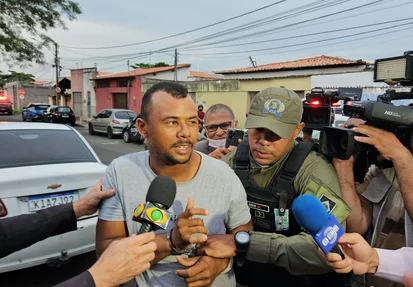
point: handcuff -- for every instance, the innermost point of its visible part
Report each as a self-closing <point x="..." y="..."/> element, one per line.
<point x="190" y="251"/>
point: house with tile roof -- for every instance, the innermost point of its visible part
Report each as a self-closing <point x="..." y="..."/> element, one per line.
<point x="236" y="88"/>
<point x="124" y="91"/>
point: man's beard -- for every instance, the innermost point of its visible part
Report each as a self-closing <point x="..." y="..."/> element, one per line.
<point x="169" y="159"/>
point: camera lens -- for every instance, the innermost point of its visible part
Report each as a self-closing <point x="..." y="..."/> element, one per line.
<point x="339" y="144"/>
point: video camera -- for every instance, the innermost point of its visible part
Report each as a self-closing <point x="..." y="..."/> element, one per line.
<point x="340" y="143"/>
<point x="317" y="108"/>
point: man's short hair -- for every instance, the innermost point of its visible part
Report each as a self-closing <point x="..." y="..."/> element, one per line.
<point x="219" y="108"/>
<point x="174" y="89"/>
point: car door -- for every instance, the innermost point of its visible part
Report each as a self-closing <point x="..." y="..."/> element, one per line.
<point x="97" y="123"/>
<point x="106" y="120"/>
<point x="47" y="116"/>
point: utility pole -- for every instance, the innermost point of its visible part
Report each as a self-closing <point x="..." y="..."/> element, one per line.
<point x="127" y="99"/>
<point x="57" y="66"/>
<point x="176" y="66"/>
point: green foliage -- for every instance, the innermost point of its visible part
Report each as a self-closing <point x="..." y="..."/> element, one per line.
<point x="17" y="112"/>
<point x="14" y="76"/>
<point x="147" y="65"/>
<point x="23" y="24"/>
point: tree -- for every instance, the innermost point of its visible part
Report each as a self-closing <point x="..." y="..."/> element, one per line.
<point x="147" y="65"/>
<point x="23" y="24"/>
<point x="14" y="76"/>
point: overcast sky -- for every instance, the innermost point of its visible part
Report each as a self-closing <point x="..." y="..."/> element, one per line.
<point x="117" y="22"/>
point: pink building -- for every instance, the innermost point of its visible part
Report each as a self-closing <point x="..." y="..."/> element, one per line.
<point x="112" y="90"/>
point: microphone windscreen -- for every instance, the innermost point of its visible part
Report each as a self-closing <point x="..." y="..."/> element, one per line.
<point x="309" y="212"/>
<point x="162" y="190"/>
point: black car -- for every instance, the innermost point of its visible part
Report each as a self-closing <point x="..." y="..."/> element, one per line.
<point x="130" y="132"/>
<point x="59" y="114"/>
<point x="5" y="104"/>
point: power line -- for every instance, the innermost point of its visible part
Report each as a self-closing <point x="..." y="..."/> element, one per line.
<point x="182" y="33"/>
<point x="299" y="36"/>
<point x="306" y="43"/>
<point x="305" y="7"/>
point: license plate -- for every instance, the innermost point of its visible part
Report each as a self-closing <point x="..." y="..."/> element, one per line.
<point x="38" y="202"/>
<point x="65" y="116"/>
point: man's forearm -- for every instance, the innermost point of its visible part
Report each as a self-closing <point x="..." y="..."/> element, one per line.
<point x="24" y="230"/>
<point x="297" y="254"/>
<point x="356" y="221"/>
<point x="163" y="249"/>
<point x="402" y="164"/>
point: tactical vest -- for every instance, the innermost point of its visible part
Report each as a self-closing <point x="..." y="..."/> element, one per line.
<point x="270" y="207"/>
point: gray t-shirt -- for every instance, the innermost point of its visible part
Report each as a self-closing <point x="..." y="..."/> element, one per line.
<point x="215" y="187"/>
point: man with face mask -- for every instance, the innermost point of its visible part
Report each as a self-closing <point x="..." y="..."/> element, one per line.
<point x="218" y="119"/>
<point x="274" y="169"/>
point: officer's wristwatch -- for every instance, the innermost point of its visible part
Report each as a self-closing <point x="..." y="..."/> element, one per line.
<point x="242" y="241"/>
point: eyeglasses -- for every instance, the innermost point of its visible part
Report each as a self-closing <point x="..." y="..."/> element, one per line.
<point x="222" y="126"/>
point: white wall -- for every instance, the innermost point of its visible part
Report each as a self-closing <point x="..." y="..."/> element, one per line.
<point x="88" y="86"/>
<point x="183" y="74"/>
<point x="346" y="80"/>
<point x="305" y="72"/>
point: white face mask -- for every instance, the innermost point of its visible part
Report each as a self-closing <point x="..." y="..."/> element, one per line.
<point x="216" y="143"/>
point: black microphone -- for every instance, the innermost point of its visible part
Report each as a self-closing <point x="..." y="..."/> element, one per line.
<point x="160" y="197"/>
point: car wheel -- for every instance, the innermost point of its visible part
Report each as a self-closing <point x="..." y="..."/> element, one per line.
<point x="10" y="112"/>
<point x="110" y="133"/>
<point x="91" y="130"/>
<point x="126" y="137"/>
<point x="23" y="118"/>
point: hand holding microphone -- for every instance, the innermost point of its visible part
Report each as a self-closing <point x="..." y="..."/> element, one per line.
<point x="360" y="258"/>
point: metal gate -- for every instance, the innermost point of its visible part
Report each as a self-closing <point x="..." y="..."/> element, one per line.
<point x="77" y="104"/>
<point x="89" y="106"/>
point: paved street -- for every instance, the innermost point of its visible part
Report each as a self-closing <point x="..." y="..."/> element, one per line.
<point x="43" y="276"/>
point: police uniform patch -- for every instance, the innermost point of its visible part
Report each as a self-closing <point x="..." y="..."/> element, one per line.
<point x="328" y="203"/>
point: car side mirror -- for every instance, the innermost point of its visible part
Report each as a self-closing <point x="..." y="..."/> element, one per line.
<point x="95" y="117"/>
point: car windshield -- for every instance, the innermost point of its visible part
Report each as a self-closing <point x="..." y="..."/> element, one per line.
<point x="125" y="115"/>
<point x="39" y="147"/>
<point x="41" y="108"/>
<point x="64" y="110"/>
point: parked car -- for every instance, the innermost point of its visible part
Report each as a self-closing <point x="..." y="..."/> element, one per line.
<point x="6" y="105"/>
<point x="45" y="165"/>
<point x="111" y="122"/>
<point x="34" y="112"/>
<point x="130" y="132"/>
<point x="59" y="114"/>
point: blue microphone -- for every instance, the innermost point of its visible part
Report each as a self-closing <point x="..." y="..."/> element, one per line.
<point x="311" y="214"/>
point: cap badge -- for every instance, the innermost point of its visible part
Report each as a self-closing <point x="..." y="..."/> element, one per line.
<point x="274" y="106"/>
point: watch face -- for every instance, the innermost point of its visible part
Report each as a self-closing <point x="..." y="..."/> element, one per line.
<point x="242" y="237"/>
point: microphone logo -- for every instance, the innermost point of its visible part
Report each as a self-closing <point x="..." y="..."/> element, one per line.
<point x="155" y="216"/>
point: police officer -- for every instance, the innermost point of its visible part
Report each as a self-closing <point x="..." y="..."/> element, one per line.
<point x="274" y="169"/>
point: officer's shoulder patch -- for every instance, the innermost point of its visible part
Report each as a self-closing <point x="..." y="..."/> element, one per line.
<point x="328" y="203"/>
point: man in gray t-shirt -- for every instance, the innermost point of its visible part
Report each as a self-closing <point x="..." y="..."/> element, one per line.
<point x="171" y="134"/>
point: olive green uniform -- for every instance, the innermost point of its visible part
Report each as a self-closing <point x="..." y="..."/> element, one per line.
<point x="297" y="254"/>
<point x="280" y="110"/>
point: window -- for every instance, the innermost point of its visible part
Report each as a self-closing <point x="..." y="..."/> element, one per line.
<point x="107" y="114"/>
<point x="64" y="110"/>
<point x="103" y="84"/>
<point x="123" y="83"/>
<point x="125" y="115"/>
<point x="41" y="108"/>
<point x="101" y="115"/>
<point x="39" y="147"/>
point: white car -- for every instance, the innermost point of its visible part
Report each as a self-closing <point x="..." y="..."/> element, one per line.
<point x="111" y="122"/>
<point x="43" y="165"/>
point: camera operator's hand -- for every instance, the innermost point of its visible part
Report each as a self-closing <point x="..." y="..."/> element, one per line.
<point x="186" y="227"/>
<point x="385" y="142"/>
<point x="353" y="122"/>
